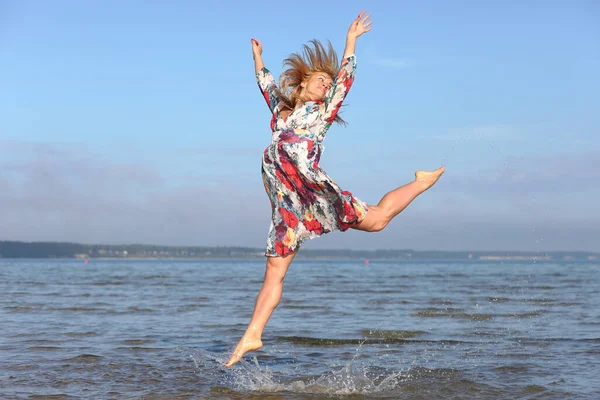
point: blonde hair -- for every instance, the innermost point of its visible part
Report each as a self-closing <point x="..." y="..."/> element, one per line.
<point x="301" y="67"/>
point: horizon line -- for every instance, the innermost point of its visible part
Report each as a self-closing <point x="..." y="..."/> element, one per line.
<point x="325" y="249"/>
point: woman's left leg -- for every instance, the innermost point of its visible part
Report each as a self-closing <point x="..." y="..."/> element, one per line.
<point x="397" y="200"/>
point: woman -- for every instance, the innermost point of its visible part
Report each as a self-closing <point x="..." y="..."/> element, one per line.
<point x="306" y="202"/>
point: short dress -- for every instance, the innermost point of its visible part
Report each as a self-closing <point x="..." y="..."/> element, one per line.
<point x="306" y="202"/>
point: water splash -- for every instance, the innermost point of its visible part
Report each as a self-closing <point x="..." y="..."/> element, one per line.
<point x="244" y="376"/>
<point x="353" y="377"/>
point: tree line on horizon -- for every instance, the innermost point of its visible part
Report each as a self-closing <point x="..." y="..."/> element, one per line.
<point x="20" y="249"/>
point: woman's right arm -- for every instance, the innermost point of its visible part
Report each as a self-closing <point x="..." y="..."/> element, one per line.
<point x="266" y="82"/>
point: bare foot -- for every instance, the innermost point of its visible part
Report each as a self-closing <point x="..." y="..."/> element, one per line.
<point x="245" y="345"/>
<point x="428" y="178"/>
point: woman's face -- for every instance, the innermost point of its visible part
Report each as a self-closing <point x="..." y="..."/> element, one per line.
<point x="317" y="86"/>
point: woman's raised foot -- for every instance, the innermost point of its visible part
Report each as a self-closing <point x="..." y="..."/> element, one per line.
<point x="245" y="345"/>
<point x="428" y="178"/>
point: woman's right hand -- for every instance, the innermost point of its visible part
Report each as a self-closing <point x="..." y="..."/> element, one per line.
<point x="256" y="48"/>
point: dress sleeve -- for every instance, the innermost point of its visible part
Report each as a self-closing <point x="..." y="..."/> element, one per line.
<point x="267" y="86"/>
<point x="339" y="89"/>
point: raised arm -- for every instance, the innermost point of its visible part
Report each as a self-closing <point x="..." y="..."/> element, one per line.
<point x="264" y="78"/>
<point x="343" y="81"/>
<point x="359" y="26"/>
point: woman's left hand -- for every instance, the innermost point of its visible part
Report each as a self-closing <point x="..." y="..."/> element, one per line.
<point x="359" y="26"/>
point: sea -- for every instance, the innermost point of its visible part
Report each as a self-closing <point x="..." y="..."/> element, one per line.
<point x="163" y="329"/>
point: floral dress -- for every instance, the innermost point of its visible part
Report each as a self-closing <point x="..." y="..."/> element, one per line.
<point x="306" y="202"/>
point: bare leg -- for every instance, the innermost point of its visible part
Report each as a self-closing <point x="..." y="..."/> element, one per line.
<point x="397" y="200"/>
<point x="268" y="298"/>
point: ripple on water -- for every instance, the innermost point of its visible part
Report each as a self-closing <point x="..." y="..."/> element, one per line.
<point x="139" y="310"/>
<point x="498" y="299"/>
<point x="105" y="283"/>
<point x="512" y="369"/>
<point x="74" y="309"/>
<point x="139" y="349"/>
<point x="330" y="342"/>
<point x="25" y="308"/>
<point x="529" y="389"/>
<point x="137" y="341"/>
<point x="530" y="314"/>
<point x="452" y="313"/>
<point x="391" y="334"/>
<point x="441" y="302"/>
<point x="538" y="300"/>
<point x="44" y="341"/>
<point x="85" y="358"/>
<point x="81" y="334"/>
<point x="44" y="348"/>
<point x="490" y="334"/>
<point x="197" y="298"/>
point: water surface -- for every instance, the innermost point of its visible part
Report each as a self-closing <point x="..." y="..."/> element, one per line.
<point x="394" y="330"/>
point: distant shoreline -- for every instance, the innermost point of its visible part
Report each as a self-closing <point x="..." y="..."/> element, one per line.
<point x="313" y="259"/>
<point x="60" y="250"/>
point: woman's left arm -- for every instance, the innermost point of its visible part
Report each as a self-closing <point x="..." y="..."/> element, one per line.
<point x="357" y="28"/>
<point x="343" y="81"/>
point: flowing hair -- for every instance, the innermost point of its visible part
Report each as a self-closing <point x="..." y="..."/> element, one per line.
<point x="301" y="67"/>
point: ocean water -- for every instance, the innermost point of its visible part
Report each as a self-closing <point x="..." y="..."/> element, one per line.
<point x="386" y="330"/>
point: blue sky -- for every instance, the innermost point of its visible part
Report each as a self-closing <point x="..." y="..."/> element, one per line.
<point x="141" y="122"/>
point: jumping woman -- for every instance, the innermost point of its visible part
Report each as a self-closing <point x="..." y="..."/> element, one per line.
<point x="306" y="202"/>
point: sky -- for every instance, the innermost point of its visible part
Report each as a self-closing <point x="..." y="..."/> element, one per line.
<point x="141" y="121"/>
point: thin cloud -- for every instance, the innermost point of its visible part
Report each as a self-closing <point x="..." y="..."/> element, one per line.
<point x="74" y="195"/>
<point x="55" y="194"/>
<point x="485" y="132"/>
<point x="395" y="63"/>
<point x="561" y="174"/>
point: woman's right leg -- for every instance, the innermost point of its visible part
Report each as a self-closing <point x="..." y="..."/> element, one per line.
<point x="267" y="300"/>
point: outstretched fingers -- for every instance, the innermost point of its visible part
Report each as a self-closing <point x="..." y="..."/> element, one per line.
<point x="366" y="25"/>
<point x="360" y="25"/>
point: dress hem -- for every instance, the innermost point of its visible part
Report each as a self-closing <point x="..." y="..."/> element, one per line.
<point x="301" y="242"/>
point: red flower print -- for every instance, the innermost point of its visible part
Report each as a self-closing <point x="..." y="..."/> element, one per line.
<point x="348" y="82"/>
<point x="349" y="210"/>
<point x="334" y="113"/>
<point x="296" y="180"/>
<point x="287" y="167"/>
<point x="314" y="186"/>
<point x="283" y="179"/>
<point x="292" y="173"/>
<point x="288" y="217"/>
<point x="313" y="226"/>
<point x="280" y="248"/>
